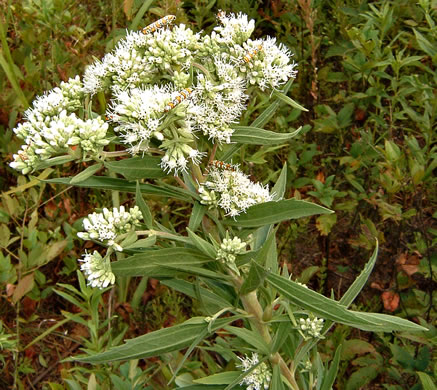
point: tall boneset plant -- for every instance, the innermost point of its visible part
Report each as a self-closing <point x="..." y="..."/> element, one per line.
<point x="175" y="99"/>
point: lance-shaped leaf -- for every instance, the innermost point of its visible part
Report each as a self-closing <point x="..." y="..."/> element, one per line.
<point x="253" y="280"/>
<point x="141" y="203"/>
<point x="274" y="212"/>
<point x="197" y="292"/>
<point x="146" y="167"/>
<point x="197" y="214"/>
<point x="328" y="380"/>
<point x="110" y="183"/>
<point x="156" y="263"/>
<point x="86" y="173"/>
<point x="332" y="310"/>
<point x="255" y="136"/>
<point x="158" y="342"/>
<point x="220" y="378"/>
<point x="250" y="337"/>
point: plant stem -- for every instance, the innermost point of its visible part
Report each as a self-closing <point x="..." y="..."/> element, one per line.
<point x="254" y="308"/>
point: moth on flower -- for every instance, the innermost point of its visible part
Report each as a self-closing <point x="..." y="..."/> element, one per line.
<point x="222" y="165"/>
<point x="165" y="21"/>
<point x="184" y="94"/>
<point x="248" y="57"/>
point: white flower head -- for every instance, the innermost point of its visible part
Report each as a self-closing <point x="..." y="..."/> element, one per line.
<point x="108" y="225"/>
<point x="97" y="270"/>
<point x="233" y="191"/>
<point x="266" y="64"/>
<point x="235" y="29"/>
<point x="257" y="379"/>
<point x="311" y="327"/>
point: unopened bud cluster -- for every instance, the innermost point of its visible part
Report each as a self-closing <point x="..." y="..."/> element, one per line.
<point x="311" y="327"/>
<point x="97" y="270"/>
<point x="108" y="225"/>
<point x="232" y="190"/>
<point x="259" y="378"/>
<point x="229" y="248"/>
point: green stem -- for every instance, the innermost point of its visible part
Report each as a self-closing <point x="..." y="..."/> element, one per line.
<point x="141" y="288"/>
<point x="254" y="308"/>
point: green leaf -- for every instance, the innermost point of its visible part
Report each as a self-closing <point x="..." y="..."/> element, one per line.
<point x="147" y="215"/>
<point x="146" y="167"/>
<point x="277" y="383"/>
<point x="222" y="378"/>
<point x="250" y="135"/>
<point x="427" y="382"/>
<point x="288" y="100"/>
<point x="196" y="216"/>
<point x="329" y="379"/>
<point x="268" y="254"/>
<point x="82" y="176"/>
<point x="158" y="342"/>
<point x="332" y="310"/>
<point x="200" y="293"/>
<point x="274" y="212"/>
<point x="109" y="183"/>
<point x="141" y="244"/>
<point x="59" y="160"/>
<point x="281" y="334"/>
<point x="361" y="377"/>
<point x="203" y="246"/>
<point x="156" y="263"/>
<point x="360" y="281"/>
<point x="253" y="280"/>
<point x="250" y="337"/>
<point x="265" y="116"/>
<point x="424" y="44"/>
<point x="278" y="190"/>
<point x="386" y="323"/>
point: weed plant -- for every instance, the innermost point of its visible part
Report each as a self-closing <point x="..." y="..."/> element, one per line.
<point x="366" y="149"/>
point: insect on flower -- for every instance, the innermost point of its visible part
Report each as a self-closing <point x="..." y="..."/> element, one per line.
<point x="221" y="14"/>
<point x="178" y="99"/>
<point x="248" y="57"/>
<point x="165" y="21"/>
<point x="222" y="165"/>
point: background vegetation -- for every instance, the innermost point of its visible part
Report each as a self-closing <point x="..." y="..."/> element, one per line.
<point x="367" y="75"/>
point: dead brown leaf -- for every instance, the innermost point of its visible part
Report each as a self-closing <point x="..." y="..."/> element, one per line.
<point x="23" y="287"/>
<point x="390" y="299"/>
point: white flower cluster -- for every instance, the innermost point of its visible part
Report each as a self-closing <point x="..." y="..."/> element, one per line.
<point x="235" y="29"/>
<point x="213" y="107"/>
<point x="258" y="62"/>
<point x="311" y="327"/>
<point x="139" y="58"/>
<point x="232" y="190"/>
<point x="268" y="65"/>
<point x="68" y="96"/>
<point x="55" y="135"/>
<point x="107" y="226"/>
<point x="229" y="248"/>
<point x="52" y="128"/>
<point x="259" y="378"/>
<point x="139" y="114"/>
<point x="165" y="84"/>
<point x="97" y="270"/>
